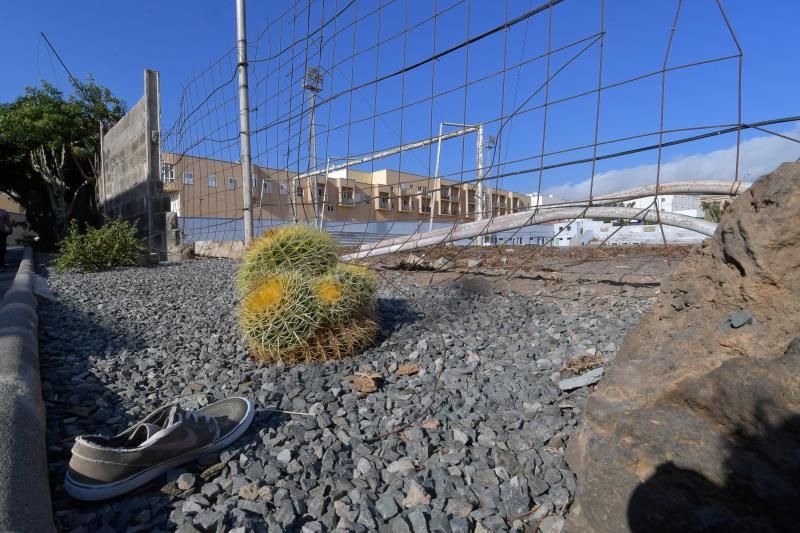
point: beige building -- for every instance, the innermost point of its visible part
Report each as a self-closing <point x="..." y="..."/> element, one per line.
<point x="17" y="215"/>
<point x="210" y="188"/>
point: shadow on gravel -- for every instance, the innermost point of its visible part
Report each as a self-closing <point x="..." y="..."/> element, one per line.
<point x="77" y="402"/>
<point x="761" y="490"/>
<point x="394" y="313"/>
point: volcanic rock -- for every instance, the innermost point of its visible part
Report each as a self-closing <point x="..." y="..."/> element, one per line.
<point x="696" y="426"/>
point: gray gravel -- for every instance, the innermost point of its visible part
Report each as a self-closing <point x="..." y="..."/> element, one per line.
<point x="117" y="345"/>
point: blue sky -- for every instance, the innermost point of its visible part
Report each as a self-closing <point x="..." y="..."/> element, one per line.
<point x="115" y="41"/>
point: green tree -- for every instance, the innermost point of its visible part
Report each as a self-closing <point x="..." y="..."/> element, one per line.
<point x="50" y="153"/>
<point x="714" y="210"/>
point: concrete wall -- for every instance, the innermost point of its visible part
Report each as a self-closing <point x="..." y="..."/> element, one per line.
<point x="24" y="490"/>
<point x="130" y="187"/>
<point x="219" y="230"/>
<point x="651" y="234"/>
<point x="195" y="229"/>
<point x="641" y="233"/>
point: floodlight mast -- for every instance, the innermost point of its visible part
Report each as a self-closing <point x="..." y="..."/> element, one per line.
<point x="313" y="82"/>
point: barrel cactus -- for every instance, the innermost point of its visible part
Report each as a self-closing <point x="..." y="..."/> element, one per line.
<point x="345" y="292"/>
<point x="298" y="303"/>
<point x="299" y="248"/>
<point x="279" y="314"/>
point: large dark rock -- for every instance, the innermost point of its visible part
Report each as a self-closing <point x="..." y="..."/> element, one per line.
<point x="696" y="427"/>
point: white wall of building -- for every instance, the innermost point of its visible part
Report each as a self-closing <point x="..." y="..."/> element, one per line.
<point x="670" y="203"/>
<point x="544" y="199"/>
<point x="175" y="202"/>
<point x="640" y="233"/>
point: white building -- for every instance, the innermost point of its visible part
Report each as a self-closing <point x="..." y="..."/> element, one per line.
<point x="683" y="204"/>
<point x="544" y="199"/>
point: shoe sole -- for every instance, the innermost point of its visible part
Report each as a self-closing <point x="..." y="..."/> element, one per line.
<point x="80" y="491"/>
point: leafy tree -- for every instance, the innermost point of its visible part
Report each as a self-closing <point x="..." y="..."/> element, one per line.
<point x="50" y="153"/>
<point x="714" y="210"/>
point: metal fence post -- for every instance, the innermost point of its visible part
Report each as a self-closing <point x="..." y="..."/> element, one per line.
<point x="244" y="120"/>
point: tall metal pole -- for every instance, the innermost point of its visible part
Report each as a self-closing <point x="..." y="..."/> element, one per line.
<point x="312" y="162"/>
<point x="324" y="196"/>
<point x="479" y="178"/>
<point x="312" y="81"/>
<point x="244" y="121"/>
<point x="312" y="140"/>
<point x="436" y="184"/>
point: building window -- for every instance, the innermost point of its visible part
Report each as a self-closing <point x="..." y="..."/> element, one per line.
<point x="329" y="208"/>
<point x="298" y="191"/>
<point x="231" y="182"/>
<point x="212" y="180"/>
<point x="383" y="201"/>
<point x="357" y="197"/>
<point x="167" y="173"/>
<point x="253" y="182"/>
<point x="283" y="188"/>
<point x="266" y="187"/>
<point x="188" y="178"/>
<point x="346" y="196"/>
<point x="175" y="203"/>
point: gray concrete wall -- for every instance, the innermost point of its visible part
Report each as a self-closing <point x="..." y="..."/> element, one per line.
<point x="130" y="187"/>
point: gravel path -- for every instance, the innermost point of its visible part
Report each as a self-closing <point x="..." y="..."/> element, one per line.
<point x="488" y="456"/>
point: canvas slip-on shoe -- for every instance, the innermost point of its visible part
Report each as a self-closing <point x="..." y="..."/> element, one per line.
<point x="105" y="467"/>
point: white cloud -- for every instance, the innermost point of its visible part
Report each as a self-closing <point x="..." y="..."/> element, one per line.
<point x="758" y="156"/>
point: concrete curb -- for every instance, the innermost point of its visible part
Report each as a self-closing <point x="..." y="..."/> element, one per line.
<point x="24" y="488"/>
